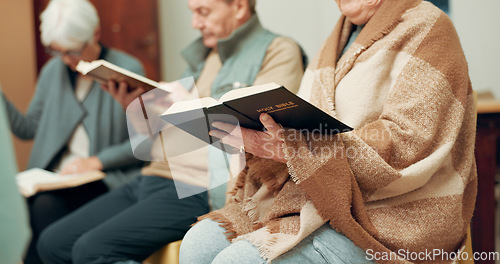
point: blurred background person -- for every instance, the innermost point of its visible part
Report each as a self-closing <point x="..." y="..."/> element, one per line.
<point x="76" y="126"/>
<point x="14" y="233"/>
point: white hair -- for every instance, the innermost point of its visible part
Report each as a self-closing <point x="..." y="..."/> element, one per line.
<point x="69" y="23"/>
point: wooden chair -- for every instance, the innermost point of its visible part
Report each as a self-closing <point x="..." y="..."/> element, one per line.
<point x="168" y="254"/>
<point x="468" y="242"/>
<point x="468" y="249"/>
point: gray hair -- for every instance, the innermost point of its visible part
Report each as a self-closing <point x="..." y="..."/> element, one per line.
<point x="251" y="5"/>
<point x="69" y="23"/>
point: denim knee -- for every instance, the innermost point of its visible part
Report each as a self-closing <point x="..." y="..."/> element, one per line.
<point x="241" y="252"/>
<point x="203" y="242"/>
<point x="86" y="250"/>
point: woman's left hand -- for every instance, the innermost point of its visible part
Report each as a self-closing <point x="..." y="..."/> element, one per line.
<point x="82" y="165"/>
<point x="119" y="91"/>
<point x="265" y="144"/>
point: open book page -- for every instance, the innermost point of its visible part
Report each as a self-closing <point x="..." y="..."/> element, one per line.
<point x="242" y="92"/>
<point x="36" y="180"/>
<point x="207" y="102"/>
<point x="188" y="105"/>
<point x="102" y="71"/>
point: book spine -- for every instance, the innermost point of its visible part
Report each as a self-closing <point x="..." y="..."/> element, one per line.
<point x="205" y="113"/>
<point x="256" y="121"/>
<point x="97" y="78"/>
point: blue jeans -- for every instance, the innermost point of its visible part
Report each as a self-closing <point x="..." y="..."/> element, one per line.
<point x="207" y="243"/>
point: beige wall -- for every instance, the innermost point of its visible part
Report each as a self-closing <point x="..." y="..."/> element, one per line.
<point x="175" y="34"/>
<point x="17" y="60"/>
<point x="477" y="25"/>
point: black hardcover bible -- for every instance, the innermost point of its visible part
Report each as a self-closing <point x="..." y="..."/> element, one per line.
<point x="244" y="106"/>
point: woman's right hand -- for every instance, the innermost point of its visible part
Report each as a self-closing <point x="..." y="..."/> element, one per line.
<point x="121" y="93"/>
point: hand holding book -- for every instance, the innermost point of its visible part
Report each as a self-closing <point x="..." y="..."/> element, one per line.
<point x="121" y="93"/>
<point x="265" y="144"/>
<point x="104" y="71"/>
<point x="121" y="83"/>
<point x="37" y="180"/>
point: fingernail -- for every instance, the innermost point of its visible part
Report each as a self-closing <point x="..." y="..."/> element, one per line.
<point x="264" y="117"/>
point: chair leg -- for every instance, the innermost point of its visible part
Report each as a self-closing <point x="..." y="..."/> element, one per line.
<point x="468" y="249"/>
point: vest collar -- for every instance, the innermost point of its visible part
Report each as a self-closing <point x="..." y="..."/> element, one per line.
<point x="196" y="53"/>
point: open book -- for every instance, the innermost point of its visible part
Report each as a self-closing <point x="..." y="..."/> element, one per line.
<point x="244" y="106"/>
<point x="37" y="180"/>
<point x="103" y="71"/>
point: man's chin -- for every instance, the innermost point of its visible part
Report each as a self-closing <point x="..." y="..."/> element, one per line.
<point x="210" y="42"/>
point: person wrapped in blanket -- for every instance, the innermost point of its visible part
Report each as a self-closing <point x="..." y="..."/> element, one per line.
<point x="402" y="183"/>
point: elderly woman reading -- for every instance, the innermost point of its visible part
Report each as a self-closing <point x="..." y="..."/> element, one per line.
<point x="76" y="126"/>
<point x="403" y="182"/>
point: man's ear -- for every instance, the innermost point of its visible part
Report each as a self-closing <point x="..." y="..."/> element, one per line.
<point x="242" y="9"/>
<point x="372" y="3"/>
